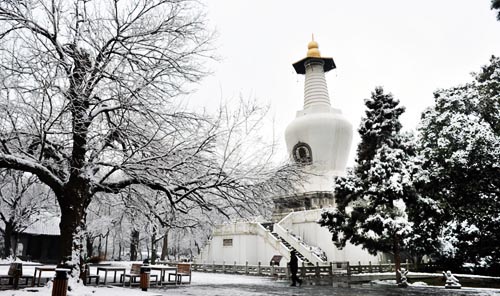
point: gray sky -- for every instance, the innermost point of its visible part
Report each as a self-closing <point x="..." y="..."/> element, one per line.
<point x="411" y="48"/>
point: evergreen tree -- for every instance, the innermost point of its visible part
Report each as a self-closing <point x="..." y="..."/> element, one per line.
<point x="376" y="201"/>
<point x="495" y="4"/>
<point x="460" y="148"/>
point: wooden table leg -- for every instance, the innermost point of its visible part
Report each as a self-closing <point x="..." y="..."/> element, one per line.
<point x="34" y="279"/>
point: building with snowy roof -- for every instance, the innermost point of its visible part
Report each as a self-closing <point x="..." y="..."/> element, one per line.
<point x="320" y="138"/>
<point x="40" y="241"/>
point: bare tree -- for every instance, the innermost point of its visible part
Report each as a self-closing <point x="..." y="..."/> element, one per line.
<point x="87" y="105"/>
<point x="23" y="201"/>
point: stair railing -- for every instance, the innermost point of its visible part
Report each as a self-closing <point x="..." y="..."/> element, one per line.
<point x="284" y="229"/>
<point x="297" y="245"/>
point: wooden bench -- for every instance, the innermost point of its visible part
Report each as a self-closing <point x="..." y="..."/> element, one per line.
<point x="183" y="269"/>
<point x="135" y="273"/>
<point x="14" y="274"/>
<point x="89" y="277"/>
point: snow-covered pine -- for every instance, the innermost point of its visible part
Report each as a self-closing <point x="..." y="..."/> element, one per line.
<point x="376" y="200"/>
<point x="459" y="147"/>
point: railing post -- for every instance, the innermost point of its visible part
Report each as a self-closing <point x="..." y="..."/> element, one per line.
<point x="246" y="267"/>
<point x="348" y="269"/>
<point x="303" y="271"/>
<point x="330" y="269"/>
<point x="223" y="266"/>
<point x="234" y="267"/>
<point x="272" y="270"/>
<point x="213" y="267"/>
<point x="360" y="269"/>
<point x="317" y="270"/>
<point x="407" y="265"/>
<point x="258" y="268"/>
<point x="380" y="268"/>
<point x="370" y="267"/>
<point x="390" y="266"/>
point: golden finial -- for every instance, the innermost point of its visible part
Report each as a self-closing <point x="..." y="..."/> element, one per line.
<point x="312" y="49"/>
<point x="313" y="54"/>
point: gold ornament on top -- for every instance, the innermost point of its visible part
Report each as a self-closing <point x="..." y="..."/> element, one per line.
<point x="313" y="54"/>
<point x="313" y="49"/>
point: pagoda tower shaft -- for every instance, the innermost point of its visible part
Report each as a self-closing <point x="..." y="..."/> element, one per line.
<point x="315" y="87"/>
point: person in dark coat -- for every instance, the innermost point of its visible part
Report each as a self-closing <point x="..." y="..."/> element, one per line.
<point x="294" y="268"/>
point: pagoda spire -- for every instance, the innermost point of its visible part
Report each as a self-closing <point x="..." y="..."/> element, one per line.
<point x="314" y="67"/>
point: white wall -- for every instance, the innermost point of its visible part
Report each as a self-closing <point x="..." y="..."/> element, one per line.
<point x="304" y="225"/>
<point x="251" y="243"/>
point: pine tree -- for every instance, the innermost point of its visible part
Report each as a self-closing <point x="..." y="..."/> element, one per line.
<point x="460" y="148"/>
<point x="376" y="201"/>
<point x="495" y="4"/>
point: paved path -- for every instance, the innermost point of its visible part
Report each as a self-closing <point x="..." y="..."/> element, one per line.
<point x="256" y="290"/>
<point x="233" y="285"/>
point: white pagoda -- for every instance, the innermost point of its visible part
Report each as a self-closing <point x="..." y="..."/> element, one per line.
<point x="320" y="138"/>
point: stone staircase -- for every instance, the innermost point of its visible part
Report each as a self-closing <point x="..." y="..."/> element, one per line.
<point x="290" y="248"/>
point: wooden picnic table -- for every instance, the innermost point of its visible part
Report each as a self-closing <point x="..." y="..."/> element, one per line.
<point x="39" y="270"/>
<point x="114" y="269"/>
<point x="163" y="271"/>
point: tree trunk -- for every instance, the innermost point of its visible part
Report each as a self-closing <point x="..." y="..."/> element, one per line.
<point x="164" y="248"/>
<point x="198" y="249"/>
<point x="153" y="248"/>
<point x="113" y="249"/>
<point x="90" y="247"/>
<point x="99" y="248"/>
<point x="134" y="244"/>
<point x="73" y="203"/>
<point x="397" y="258"/>
<point x="106" y="247"/>
<point x="8" y="239"/>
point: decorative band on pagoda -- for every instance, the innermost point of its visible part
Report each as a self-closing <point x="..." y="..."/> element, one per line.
<point x="315" y="87"/>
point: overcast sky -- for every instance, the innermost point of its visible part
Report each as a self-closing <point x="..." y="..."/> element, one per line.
<point x="411" y="48"/>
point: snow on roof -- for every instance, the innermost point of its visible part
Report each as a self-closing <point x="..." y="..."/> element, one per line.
<point x="46" y="225"/>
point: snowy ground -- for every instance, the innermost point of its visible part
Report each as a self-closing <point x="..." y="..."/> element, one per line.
<point x="210" y="284"/>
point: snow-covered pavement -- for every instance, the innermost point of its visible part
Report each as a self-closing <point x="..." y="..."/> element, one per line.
<point x="210" y="284"/>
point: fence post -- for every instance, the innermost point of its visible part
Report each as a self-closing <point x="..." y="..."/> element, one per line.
<point x="370" y="269"/>
<point x="390" y="266"/>
<point x="330" y="269"/>
<point x="246" y="267"/>
<point x="360" y="269"/>
<point x="234" y="267"/>
<point x="380" y="268"/>
<point x="223" y="266"/>
<point x="258" y="268"/>
<point x="213" y="267"/>
<point x="348" y="269"/>
<point x="407" y="265"/>
<point x="317" y="270"/>
<point x="303" y="271"/>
